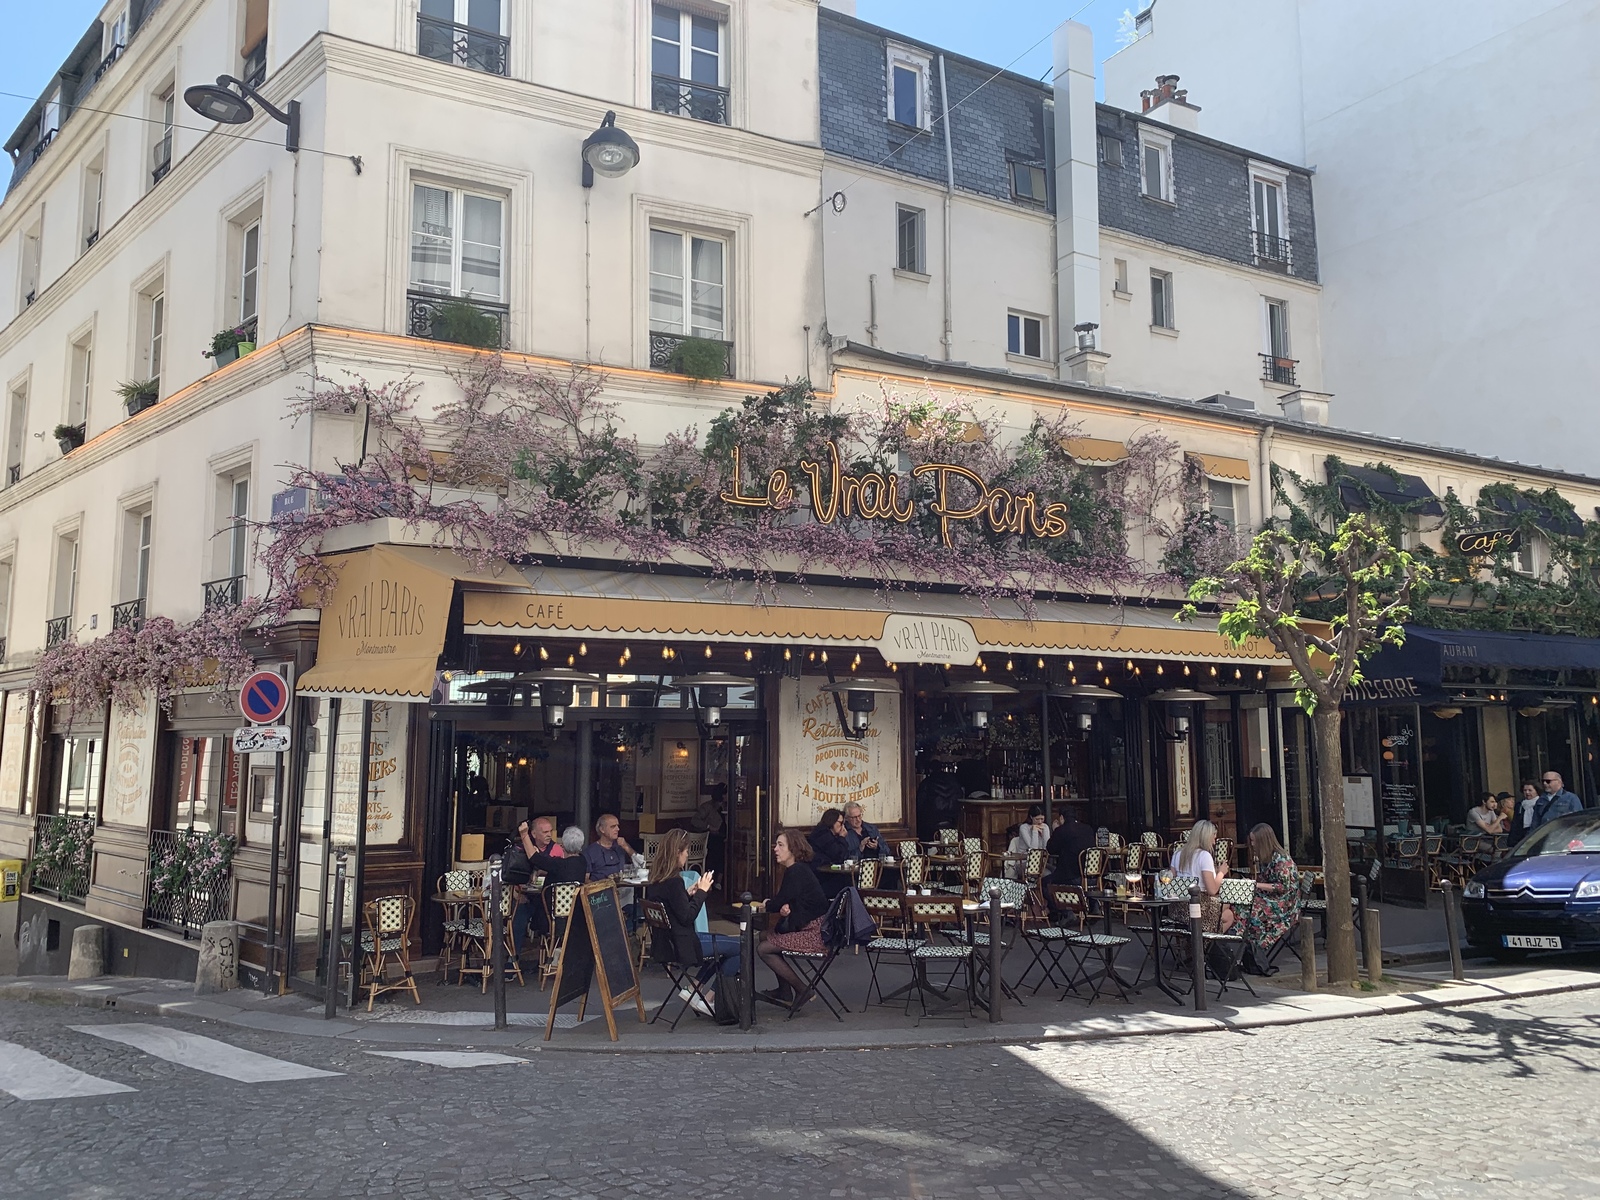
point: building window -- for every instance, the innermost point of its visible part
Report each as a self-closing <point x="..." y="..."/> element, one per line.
<point x="688" y="71"/>
<point x="152" y="333"/>
<point x="1161" y="308"/>
<point x="1119" y="278"/>
<point x="5" y="601"/>
<point x="16" y="433"/>
<point x="1024" y="335"/>
<point x="94" y="201"/>
<point x="1028" y="182"/>
<point x="908" y="72"/>
<point x="1278" y="328"/>
<point x="688" y="288"/>
<point x="1524" y="559"/>
<point x="1223" y="502"/>
<point x="1110" y="152"/>
<point x="64" y="596"/>
<point x="32" y="258"/>
<point x="456" y="240"/>
<point x="468" y="33"/>
<point x="137" y="525"/>
<point x="116" y="35"/>
<point x="249" y="271"/>
<point x="79" y="380"/>
<point x="230" y="559"/>
<point x="161" y="148"/>
<point x="1155" y="167"/>
<point x="909" y="240"/>
<point x="253" y="47"/>
<point x="1269" y="220"/>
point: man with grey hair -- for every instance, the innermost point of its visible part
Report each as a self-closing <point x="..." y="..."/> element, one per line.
<point x="860" y="834"/>
<point x="560" y="863"/>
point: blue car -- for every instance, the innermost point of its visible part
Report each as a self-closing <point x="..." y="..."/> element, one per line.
<point x="1546" y="896"/>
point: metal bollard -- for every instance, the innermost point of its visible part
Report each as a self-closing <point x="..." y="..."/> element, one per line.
<point x="747" y="962"/>
<point x="1197" y="950"/>
<point x="1452" y="926"/>
<point x="1372" y="944"/>
<point x="497" y="940"/>
<point x="1361" y="917"/>
<point x="1308" y="954"/>
<point x="997" y="986"/>
<point x="330" y="1003"/>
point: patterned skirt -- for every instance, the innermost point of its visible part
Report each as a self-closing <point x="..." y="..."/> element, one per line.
<point x="800" y="941"/>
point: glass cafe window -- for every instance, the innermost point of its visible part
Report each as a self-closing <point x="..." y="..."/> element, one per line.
<point x="205" y="784"/>
<point x="78" y="788"/>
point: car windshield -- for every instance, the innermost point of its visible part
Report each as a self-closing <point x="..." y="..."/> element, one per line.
<point x="1575" y="834"/>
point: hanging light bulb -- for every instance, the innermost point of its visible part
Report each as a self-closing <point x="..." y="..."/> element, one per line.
<point x="1071" y="666"/>
<point x="1260" y="674"/>
<point x="1237" y="673"/>
<point x="622" y="660"/>
<point x="891" y="666"/>
<point x="1185" y="668"/>
<point x="1159" y="670"/>
<point x="517" y="649"/>
<point x="1130" y="664"/>
<point x="627" y="653"/>
<point x="1099" y="666"/>
<point x="666" y="652"/>
<point x="1074" y="681"/>
<point x="786" y="654"/>
<point x="572" y="660"/>
<point x="1138" y="670"/>
<point x="583" y="648"/>
<point x="824" y="656"/>
<point x="1041" y="664"/>
<point x="544" y="655"/>
<point x="749" y="654"/>
<point x="1108" y="681"/>
<point x="811" y="656"/>
<point x="1213" y="671"/>
<point x="1010" y="666"/>
<point x="708" y="651"/>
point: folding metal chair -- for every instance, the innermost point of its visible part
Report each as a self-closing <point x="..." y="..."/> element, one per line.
<point x="812" y="967"/>
<point x="684" y="978"/>
<point x="1240" y="893"/>
<point x="894" y="938"/>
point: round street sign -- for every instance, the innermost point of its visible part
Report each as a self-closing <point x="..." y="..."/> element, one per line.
<point x="263" y="697"/>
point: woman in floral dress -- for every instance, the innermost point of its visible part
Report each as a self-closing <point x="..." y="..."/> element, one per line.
<point x="1277" y="898"/>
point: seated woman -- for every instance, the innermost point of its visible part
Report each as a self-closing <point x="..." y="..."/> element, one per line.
<point x="1194" y="859"/>
<point x="568" y="867"/>
<point x="1277" y="899"/>
<point x="1486" y="817"/>
<point x="829" y="848"/>
<point x="1033" y="835"/>
<point x="683" y="904"/>
<point x="800" y="907"/>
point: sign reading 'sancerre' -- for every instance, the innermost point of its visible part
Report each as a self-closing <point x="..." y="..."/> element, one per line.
<point x="908" y="639"/>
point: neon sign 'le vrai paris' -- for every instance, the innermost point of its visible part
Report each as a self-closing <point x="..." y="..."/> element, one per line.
<point x="960" y="494"/>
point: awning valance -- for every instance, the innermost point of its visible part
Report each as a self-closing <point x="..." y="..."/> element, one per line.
<point x="383" y="623"/>
<point x="1094" y="452"/>
<point x="903" y="626"/>
<point x="1416" y="669"/>
<point x="1218" y="466"/>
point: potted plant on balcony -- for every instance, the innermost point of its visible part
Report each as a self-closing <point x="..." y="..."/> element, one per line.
<point x="229" y="344"/>
<point x="138" y="394"/>
<point x="68" y="437"/>
<point x="466" y="325"/>
<point x="699" y="358"/>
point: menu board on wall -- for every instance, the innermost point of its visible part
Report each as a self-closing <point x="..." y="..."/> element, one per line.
<point x="386" y="774"/>
<point x="130" y="758"/>
<point x="680" y="772"/>
<point x="13" y="749"/>
<point x="820" y="768"/>
<point x="1398" y="787"/>
<point x="347" y="775"/>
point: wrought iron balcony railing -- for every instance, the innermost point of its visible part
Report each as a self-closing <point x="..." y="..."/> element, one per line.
<point x="684" y="98"/>
<point x="13" y="474"/>
<point x="422" y="321"/>
<point x="255" y="65"/>
<point x="56" y="630"/>
<point x="39" y="146"/>
<point x="160" y="160"/>
<point x="128" y="615"/>
<point x="225" y="593"/>
<point x="62" y="849"/>
<point x="105" y="63"/>
<point x="664" y="354"/>
<point x="1278" y="370"/>
<point x="476" y="49"/>
<point x="181" y="894"/>
<point x="1273" y="252"/>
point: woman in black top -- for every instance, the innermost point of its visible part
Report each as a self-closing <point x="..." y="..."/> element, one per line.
<point x="829" y="848"/>
<point x="683" y="903"/>
<point x="800" y="906"/>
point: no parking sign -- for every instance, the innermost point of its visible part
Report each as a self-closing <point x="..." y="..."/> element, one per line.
<point x="263" y="697"/>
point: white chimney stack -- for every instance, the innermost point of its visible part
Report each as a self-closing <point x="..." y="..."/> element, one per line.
<point x="1077" y="207"/>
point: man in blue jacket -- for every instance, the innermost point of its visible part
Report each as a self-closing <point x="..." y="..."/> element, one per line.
<point x="1556" y="802"/>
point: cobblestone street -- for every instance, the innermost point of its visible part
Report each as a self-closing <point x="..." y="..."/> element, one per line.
<point x="1490" y="1100"/>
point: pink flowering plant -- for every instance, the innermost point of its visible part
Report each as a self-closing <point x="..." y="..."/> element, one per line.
<point x="191" y="860"/>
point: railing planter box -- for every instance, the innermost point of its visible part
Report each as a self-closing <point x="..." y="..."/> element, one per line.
<point x="139" y="395"/>
<point x="189" y="879"/>
<point x="229" y="344"/>
<point x="69" y="437"/>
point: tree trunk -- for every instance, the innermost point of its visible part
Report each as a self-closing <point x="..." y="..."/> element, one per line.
<point x="1325" y="723"/>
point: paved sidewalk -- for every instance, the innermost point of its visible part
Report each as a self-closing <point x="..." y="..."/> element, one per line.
<point x="1042" y="1019"/>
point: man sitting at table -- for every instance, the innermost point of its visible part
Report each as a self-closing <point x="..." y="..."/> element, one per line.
<point x="609" y="853"/>
<point x="1070" y="839"/>
<point x="861" y="835"/>
<point x="561" y="862"/>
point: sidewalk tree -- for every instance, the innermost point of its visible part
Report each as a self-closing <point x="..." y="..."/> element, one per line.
<point x="1369" y="582"/>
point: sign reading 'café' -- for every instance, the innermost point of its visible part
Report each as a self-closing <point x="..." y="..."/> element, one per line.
<point x="959" y="494"/>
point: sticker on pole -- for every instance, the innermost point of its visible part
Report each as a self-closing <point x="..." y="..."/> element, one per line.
<point x="263" y="697"/>
<point x="255" y="739"/>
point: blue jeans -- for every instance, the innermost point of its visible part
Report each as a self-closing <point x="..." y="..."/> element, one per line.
<point x="520" y="917"/>
<point x="721" y="943"/>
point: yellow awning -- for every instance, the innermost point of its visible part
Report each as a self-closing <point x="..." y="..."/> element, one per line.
<point x="1094" y="451"/>
<point x="383" y="623"/>
<point x="1218" y="466"/>
<point x="905" y="627"/>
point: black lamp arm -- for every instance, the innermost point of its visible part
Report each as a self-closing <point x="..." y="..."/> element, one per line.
<point x="844" y="721"/>
<point x="290" y="118"/>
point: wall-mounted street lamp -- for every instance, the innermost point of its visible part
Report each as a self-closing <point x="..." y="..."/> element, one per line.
<point x="709" y="695"/>
<point x="1177" y="724"/>
<point x="608" y="151"/>
<point x="1083" y="701"/>
<point x="855" y="699"/>
<point x="219" y="102"/>
<point x="977" y="698"/>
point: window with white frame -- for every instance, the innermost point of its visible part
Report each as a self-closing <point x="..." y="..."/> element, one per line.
<point x="688" y="284"/>
<point x="908" y="75"/>
<point x="151" y="333"/>
<point x="253" y="42"/>
<point x="231" y="547"/>
<point x="1524" y="559"/>
<point x="468" y="33"/>
<point x="137" y="527"/>
<point x="1155" y="166"/>
<point x="688" y="64"/>
<point x="249" y="271"/>
<point x="16" y="432"/>
<point x="1028" y="182"/>
<point x="1162" y="313"/>
<point x="1269" y="217"/>
<point x="1119" y="277"/>
<point x="910" y="239"/>
<point x="64" y="592"/>
<point x="456" y="241"/>
<point x="94" y="202"/>
<point x="1025" y="335"/>
<point x="116" y="35"/>
<point x="32" y="256"/>
<point x="1223" y="501"/>
<point x="6" y="566"/>
<point x="51" y="123"/>
<point x="1277" y="328"/>
<point x="164" y="113"/>
<point x="80" y="376"/>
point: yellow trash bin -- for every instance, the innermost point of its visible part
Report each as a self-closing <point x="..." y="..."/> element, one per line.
<point x="10" y="879"/>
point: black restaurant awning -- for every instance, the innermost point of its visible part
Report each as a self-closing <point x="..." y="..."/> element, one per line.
<point x="1403" y="491"/>
<point x="1415" y="671"/>
<point x="1514" y="506"/>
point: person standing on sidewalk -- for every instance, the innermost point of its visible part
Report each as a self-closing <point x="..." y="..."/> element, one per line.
<point x="1556" y="802"/>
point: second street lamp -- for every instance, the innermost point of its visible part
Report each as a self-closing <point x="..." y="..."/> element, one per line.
<point x="220" y="102"/>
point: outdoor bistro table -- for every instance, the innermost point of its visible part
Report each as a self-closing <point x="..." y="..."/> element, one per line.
<point x="969" y="912"/>
<point x="1152" y="907"/>
<point x="1107" y="898"/>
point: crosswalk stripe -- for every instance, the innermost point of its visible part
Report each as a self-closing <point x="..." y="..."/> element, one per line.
<point x="203" y="1053"/>
<point x="29" y="1075"/>
<point x="452" y="1059"/>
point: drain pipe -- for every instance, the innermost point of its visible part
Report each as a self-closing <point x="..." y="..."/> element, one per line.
<point x="872" y="309"/>
<point x="949" y="197"/>
<point x="1264" y="454"/>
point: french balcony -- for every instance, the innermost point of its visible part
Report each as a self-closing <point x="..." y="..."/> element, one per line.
<point x="1273" y="253"/>
<point x="13" y="474"/>
<point x="160" y="160"/>
<point x="475" y="49"/>
<point x="62" y="849"/>
<point x="668" y="353"/>
<point x="684" y="98"/>
<point x="42" y="143"/>
<point x="462" y="320"/>
<point x="128" y="615"/>
<point x="2" y="649"/>
<point x="1275" y="369"/>
<point x="56" y="630"/>
<point x="107" y="62"/>
<point x="225" y="593"/>
<point x="255" y="65"/>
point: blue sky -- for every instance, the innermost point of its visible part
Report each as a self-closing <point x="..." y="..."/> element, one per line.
<point x="39" y="34"/>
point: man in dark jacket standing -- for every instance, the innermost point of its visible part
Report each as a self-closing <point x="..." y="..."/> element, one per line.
<point x="1556" y="802"/>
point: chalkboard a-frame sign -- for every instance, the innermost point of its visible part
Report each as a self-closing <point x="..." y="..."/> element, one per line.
<point x="595" y="947"/>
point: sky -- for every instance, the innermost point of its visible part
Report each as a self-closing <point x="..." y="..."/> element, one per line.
<point x="39" y="35"/>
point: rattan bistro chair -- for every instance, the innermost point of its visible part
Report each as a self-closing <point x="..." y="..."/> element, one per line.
<point x="685" y="978"/>
<point x="386" y="942"/>
<point x="482" y="929"/>
<point x="933" y="913"/>
<point x="894" y="940"/>
<point x="559" y="902"/>
<point x="454" y="887"/>
<point x="1240" y="893"/>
